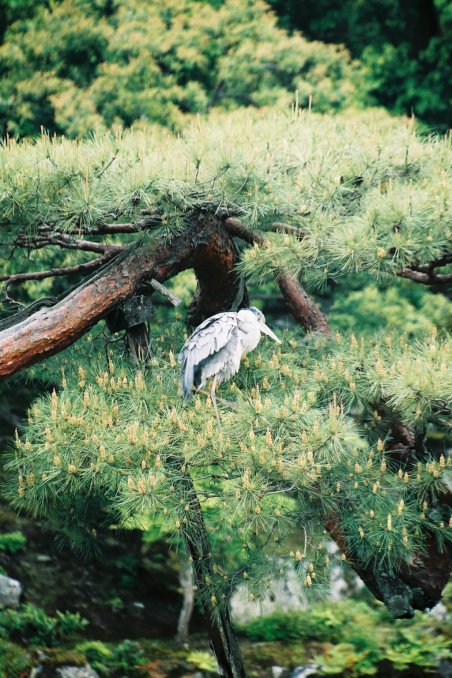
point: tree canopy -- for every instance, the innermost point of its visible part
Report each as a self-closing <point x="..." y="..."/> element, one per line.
<point x="79" y="66"/>
<point x="74" y="66"/>
<point x="405" y="48"/>
<point x="333" y="434"/>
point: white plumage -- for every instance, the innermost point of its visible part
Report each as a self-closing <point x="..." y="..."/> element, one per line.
<point x="216" y="347"/>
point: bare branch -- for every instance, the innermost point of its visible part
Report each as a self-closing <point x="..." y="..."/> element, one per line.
<point x="426" y="274"/>
<point x="86" y="267"/>
<point x="67" y="242"/>
<point x="161" y="289"/>
<point x="116" y="228"/>
<point x="63" y="240"/>
<point x="287" y="228"/>
<point x="426" y="277"/>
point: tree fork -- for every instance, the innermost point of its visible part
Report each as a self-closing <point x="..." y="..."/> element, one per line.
<point x="205" y="246"/>
<point x="303" y="308"/>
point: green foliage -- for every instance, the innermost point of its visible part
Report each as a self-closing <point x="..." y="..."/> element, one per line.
<point x="97" y="654"/>
<point x="127" y="657"/>
<point x="14" y="660"/>
<point x="367" y="194"/>
<point x="32" y="625"/>
<point x="145" y="62"/>
<point x="11" y="542"/>
<point x="404" y="308"/>
<point x="204" y="661"/>
<point x="357" y="638"/>
<point x="305" y="440"/>
<point x="311" y="433"/>
<point x="405" y="48"/>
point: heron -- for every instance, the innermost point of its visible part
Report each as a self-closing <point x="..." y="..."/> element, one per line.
<point x="216" y="347"/>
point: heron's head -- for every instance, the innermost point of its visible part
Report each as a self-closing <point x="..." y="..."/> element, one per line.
<point x="258" y="317"/>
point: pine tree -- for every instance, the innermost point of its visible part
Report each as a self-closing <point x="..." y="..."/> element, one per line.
<point x="329" y="437"/>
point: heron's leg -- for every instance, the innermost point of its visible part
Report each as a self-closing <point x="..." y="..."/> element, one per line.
<point x="214" y="399"/>
<point x="222" y="401"/>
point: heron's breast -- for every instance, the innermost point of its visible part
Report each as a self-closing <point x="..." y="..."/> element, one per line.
<point x="224" y="363"/>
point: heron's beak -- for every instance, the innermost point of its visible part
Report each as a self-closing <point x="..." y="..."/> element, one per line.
<point x="266" y="330"/>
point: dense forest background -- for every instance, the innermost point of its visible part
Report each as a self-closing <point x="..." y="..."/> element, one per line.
<point x="72" y="66"/>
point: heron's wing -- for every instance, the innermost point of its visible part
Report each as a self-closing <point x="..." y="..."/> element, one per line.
<point x="209" y="338"/>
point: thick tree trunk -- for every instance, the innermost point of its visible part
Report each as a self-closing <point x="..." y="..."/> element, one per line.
<point x="205" y="246"/>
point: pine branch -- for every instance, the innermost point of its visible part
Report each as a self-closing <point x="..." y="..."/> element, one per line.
<point x="206" y="247"/>
<point x="426" y="273"/>
<point x="50" y="330"/>
<point x="302" y="307"/>
<point x="417" y="585"/>
<point x="426" y="278"/>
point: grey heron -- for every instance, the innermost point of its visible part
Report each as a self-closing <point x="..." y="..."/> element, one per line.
<point x="216" y="347"/>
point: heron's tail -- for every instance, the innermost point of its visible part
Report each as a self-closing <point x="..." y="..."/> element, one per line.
<point x="187" y="381"/>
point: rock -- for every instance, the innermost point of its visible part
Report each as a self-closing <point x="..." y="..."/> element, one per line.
<point x="10" y="591"/>
<point x="77" y="672"/>
<point x="444" y="669"/>
<point x="439" y="612"/>
<point x="43" y="558"/>
<point x="42" y="671"/>
<point x="304" y="671"/>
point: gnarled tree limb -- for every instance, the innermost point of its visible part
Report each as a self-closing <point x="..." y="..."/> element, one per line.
<point x="302" y="307"/>
<point x="205" y="246"/>
<point x="426" y="273"/>
<point x="416" y="585"/>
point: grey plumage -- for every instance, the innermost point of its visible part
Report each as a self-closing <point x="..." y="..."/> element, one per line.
<point x="216" y="347"/>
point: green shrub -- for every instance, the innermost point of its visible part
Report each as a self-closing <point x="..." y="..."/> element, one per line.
<point x="32" y="625"/>
<point x="123" y="659"/>
<point x="14" y="660"/>
<point x="11" y="542"/>
<point x="357" y="637"/>
<point x="322" y="623"/>
<point x="399" y="307"/>
<point x="204" y="661"/>
<point x="127" y="657"/>
<point x="74" y="67"/>
<point x="98" y="655"/>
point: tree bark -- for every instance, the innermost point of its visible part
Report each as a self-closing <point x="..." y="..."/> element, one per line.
<point x="196" y="538"/>
<point x="188" y="593"/>
<point x="205" y="246"/>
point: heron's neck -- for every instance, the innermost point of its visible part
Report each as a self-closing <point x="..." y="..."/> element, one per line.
<point x="250" y="338"/>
